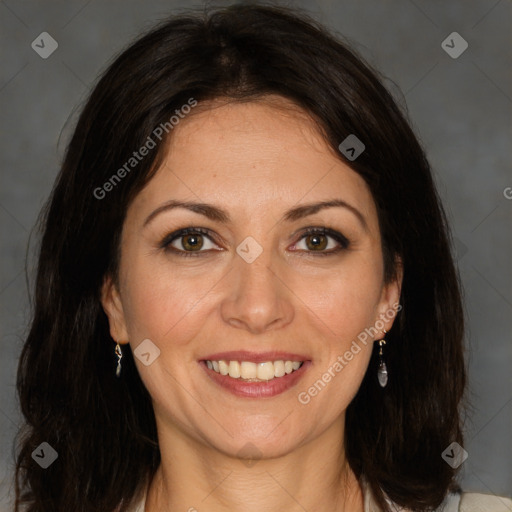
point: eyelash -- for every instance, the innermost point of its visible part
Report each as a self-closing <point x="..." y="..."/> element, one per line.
<point x="165" y="243"/>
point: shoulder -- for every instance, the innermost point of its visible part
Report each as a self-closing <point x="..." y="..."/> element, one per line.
<point x="454" y="502"/>
<point x="475" y="502"/>
<point x="478" y="502"/>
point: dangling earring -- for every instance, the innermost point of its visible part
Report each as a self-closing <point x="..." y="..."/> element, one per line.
<point x="382" y="373"/>
<point x="119" y="355"/>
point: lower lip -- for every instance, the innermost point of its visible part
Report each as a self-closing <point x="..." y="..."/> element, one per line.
<point x="240" y="387"/>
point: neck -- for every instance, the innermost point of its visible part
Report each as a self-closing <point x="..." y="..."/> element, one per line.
<point x="314" y="477"/>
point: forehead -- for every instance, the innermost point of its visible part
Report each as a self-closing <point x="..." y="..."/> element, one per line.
<point x="265" y="155"/>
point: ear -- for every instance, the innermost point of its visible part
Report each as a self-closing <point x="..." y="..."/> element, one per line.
<point x="389" y="304"/>
<point x="111" y="302"/>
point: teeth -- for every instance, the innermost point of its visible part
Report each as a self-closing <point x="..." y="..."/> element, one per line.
<point x="223" y="367"/>
<point x="250" y="371"/>
<point x="234" y="369"/>
<point x="266" y="371"/>
<point x="279" y="368"/>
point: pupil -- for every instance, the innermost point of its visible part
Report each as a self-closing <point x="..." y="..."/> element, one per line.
<point x="317" y="242"/>
<point x="192" y="242"/>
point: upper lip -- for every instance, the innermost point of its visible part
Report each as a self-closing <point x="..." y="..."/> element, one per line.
<point x="255" y="357"/>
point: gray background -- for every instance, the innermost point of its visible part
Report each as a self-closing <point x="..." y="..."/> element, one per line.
<point x="460" y="109"/>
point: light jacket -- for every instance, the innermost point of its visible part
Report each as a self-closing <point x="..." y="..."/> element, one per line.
<point x="453" y="502"/>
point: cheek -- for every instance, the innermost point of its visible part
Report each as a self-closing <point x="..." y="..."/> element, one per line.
<point x="340" y="314"/>
<point x="161" y="298"/>
<point x="343" y="311"/>
<point x="346" y="299"/>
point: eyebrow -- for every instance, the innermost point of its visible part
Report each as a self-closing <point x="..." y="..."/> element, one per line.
<point x="217" y="214"/>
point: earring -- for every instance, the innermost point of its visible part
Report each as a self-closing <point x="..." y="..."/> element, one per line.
<point x="119" y="354"/>
<point x="382" y="373"/>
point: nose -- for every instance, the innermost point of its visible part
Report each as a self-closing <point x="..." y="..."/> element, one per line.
<point x="257" y="299"/>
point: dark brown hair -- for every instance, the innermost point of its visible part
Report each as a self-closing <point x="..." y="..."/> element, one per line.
<point x="103" y="428"/>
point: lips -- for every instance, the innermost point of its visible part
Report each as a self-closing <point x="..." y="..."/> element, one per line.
<point x="254" y="388"/>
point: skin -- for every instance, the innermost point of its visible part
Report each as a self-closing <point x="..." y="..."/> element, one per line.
<point x="255" y="160"/>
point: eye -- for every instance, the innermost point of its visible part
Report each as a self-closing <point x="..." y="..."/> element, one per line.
<point x="316" y="240"/>
<point x="188" y="241"/>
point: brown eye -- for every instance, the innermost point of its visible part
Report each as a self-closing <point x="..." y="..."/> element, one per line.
<point x="316" y="242"/>
<point x="323" y="241"/>
<point x="189" y="242"/>
<point x="192" y="242"/>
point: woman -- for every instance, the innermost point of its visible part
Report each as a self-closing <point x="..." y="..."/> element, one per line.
<point x="245" y="298"/>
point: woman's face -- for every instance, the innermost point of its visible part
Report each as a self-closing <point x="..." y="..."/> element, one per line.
<point x="256" y="284"/>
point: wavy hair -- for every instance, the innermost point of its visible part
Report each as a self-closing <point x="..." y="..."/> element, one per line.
<point x="103" y="428"/>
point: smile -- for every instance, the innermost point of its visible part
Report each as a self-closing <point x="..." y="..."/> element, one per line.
<point x="255" y="375"/>
<point x="254" y="372"/>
